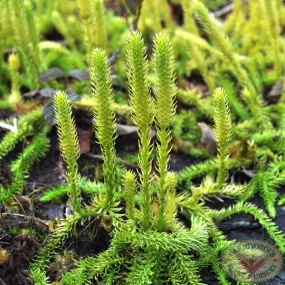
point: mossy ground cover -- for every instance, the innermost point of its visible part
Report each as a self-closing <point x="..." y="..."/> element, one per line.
<point x="139" y="139"/>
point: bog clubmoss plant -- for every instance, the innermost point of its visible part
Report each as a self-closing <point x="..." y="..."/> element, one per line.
<point x="104" y="119"/>
<point x="29" y="125"/>
<point x="153" y="246"/>
<point x="223" y="43"/>
<point x="69" y="146"/>
<point x="94" y="22"/>
<point x="222" y="133"/>
<point x="247" y="146"/>
<point x="26" y="38"/>
<point x="14" y="65"/>
<point x="194" y="206"/>
<point x="164" y="111"/>
<point x="192" y="238"/>
<point x="142" y="116"/>
<point x="142" y="208"/>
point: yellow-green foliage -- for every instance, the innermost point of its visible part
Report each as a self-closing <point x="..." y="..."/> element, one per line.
<point x="28" y="125"/>
<point x="6" y="25"/>
<point x="198" y="57"/>
<point x="141" y="115"/>
<point x="55" y="241"/>
<point x="212" y="27"/>
<point x="222" y="42"/>
<point x="170" y="196"/>
<point x="33" y="31"/>
<point x="165" y="13"/>
<point x="138" y="83"/>
<point x="66" y="6"/>
<point x="222" y="121"/>
<point x="164" y="111"/>
<point x="32" y="153"/>
<point x="61" y="25"/>
<point x="20" y="26"/>
<point x="14" y="64"/>
<point x="5" y="30"/>
<point x="265" y="24"/>
<point x="104" y="114"/>
<point x="21" y="166"/>
<point x="149" y="19"/>
<point x="69" y="145"/>
<point x="130" y="192"/>
<point x="189" y="23"/>
<point x="147" y="224"/>
<point x="272" y="8"/>
<point x="165" y="90"/>
<point x="92" y="13"/>
<point x="26" y="38"/>
<point x="86" y="15"/>
<point x="236" y="19"/>
<point x="256" y="30"/>
<point x="84" y="7"/>
<point x="99" y="23"/>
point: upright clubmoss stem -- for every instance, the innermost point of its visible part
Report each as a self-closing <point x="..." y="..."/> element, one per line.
<point x="104" y="118"/>
<point x="69" y="146"/>
<point x="222" y="131"/>
<point x="14" y="65"/>
<point x="142" y="117"/>
<point x="164" y="110"/>
<point x="99" y="24"/>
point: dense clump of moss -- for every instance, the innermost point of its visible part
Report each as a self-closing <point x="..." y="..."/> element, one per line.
<point x="200" y="73"/>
